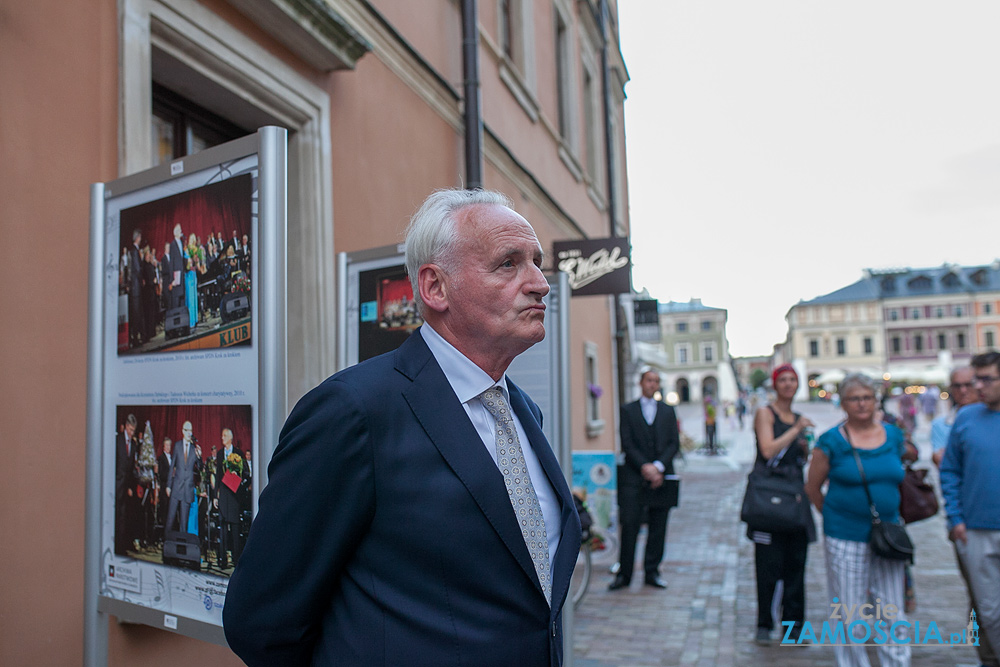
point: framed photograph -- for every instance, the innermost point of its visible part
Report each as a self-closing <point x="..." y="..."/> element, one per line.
<point x="183" y="484"/>
<point x="185" y="269"/>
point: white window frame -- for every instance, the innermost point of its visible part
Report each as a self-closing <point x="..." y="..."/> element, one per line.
<point x="517" y="71"/>
<point x="221" y="59"/>
<point x="682" y="352"/>
<point x="710" y="350"/>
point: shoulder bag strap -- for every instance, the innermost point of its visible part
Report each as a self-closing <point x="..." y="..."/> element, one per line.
<point x="775" y="460"/>
<point x="861" y="471"/>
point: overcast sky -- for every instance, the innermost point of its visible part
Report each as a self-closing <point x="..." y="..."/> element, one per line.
<point x="776" y="149"/>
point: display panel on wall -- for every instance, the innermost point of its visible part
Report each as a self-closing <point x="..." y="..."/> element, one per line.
<point x="191" y="261"/>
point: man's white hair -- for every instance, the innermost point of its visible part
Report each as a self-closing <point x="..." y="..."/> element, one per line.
<point x="432" y="232"/>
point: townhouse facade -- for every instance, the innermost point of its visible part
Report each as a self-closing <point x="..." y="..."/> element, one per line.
<point x="692" y="354"/>
<point x="908" y="325"/>
<point x="374" y="95"/>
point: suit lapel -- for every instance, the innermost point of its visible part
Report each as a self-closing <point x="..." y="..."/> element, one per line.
<point x="443" y="418"/>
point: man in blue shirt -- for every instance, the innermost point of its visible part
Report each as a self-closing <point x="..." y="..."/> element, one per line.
<point x="962" y="391"/>
<point x="970" y="484"/>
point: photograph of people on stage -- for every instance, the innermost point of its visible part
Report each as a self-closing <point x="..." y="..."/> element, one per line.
<point x="183" y="484"/>
<point x="181" y="283"/>
<point x="388" y="311"/>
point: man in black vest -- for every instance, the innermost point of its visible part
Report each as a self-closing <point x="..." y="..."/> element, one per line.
<point x="650" y="440"/>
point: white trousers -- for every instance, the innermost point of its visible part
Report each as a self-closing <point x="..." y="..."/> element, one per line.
<point x="856" y="576"/>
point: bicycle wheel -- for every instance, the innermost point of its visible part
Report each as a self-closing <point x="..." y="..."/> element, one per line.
<point x="581" y="575"/>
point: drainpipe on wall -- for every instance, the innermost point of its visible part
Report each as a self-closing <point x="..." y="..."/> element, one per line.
<point x="618" y="316"/>
<point x="472" y="113"/>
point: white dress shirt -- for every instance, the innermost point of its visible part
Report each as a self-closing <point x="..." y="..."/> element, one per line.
<point x="468" y="381"/>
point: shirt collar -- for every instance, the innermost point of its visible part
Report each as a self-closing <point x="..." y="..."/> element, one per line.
<point x="467" y="379"/>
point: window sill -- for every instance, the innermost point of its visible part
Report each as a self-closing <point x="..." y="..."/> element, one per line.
<point x="515" y="83"/>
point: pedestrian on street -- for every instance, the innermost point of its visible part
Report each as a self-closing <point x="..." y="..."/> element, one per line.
<point x="854" y="571"/>
<point x="710" y="419"/>
<point x="415" y="513"/>
<point x="650" y="441"/>
<point x="970" y="484"/>
<point x="781" y="556"/>
<point x="962" y="392"/>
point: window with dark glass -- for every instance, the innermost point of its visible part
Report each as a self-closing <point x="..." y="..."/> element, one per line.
<point x="918" y="343"/>
<point x="989" y="339"/>
<point x="682" y="327"/>
<point x="562" y="75"/>
<point x="896" y="346"/>
<point x="813" y="348"/>
<point x="706" y="325"/>
<point x="180" y="127"/>
<point x="868" y="345"/>
<point x="841" y="347"/>
<point x="507" y="27"/>
<point x="942" y="341"/>
<point x="960" y="340"/>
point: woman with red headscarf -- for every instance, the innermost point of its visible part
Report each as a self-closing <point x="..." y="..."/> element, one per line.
<point x="781" y="556"/>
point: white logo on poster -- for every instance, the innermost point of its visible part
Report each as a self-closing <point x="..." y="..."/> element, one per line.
<point x="125" y="576"/>
<point x="600" y="474"/>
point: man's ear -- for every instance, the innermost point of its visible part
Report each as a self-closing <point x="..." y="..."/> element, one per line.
<point x="433" y="290"/>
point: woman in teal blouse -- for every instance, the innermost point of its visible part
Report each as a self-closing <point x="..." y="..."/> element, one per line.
<point x="855" y="575"/>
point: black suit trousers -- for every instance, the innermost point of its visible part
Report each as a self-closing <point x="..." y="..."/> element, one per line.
<point x="630" y="516"/>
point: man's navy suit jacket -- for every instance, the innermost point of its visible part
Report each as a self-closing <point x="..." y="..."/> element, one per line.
<point x="385" y="535"/>
<point x="643" y="444"/>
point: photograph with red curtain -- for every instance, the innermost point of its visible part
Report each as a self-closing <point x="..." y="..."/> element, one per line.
<point x="388" y="313"/>
<point x="194" y="273"/>
<point x="149" y="449"/>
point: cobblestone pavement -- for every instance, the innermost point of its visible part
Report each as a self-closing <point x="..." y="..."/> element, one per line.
<point x="707" y="616"/>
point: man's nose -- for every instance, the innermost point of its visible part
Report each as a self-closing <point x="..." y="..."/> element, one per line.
<point x="537" y="284"/>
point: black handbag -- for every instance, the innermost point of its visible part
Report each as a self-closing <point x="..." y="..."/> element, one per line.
<point x="775" y="500"/>
<point x="888" y="540"/>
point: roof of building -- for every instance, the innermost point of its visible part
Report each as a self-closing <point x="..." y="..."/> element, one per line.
<point x="694" y="305"/>
<point x="894" y="283"/>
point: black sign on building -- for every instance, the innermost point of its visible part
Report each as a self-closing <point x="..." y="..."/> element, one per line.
<point x="647" y="320"/>
<point x="595" y="266"/>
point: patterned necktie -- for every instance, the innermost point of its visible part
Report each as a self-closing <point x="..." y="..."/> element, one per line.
<point x="521" y="492"/>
